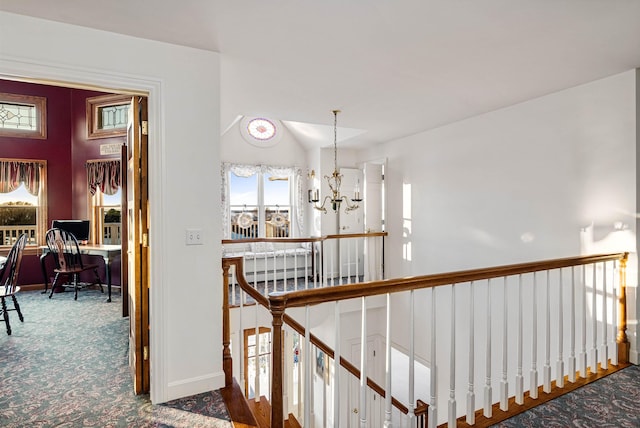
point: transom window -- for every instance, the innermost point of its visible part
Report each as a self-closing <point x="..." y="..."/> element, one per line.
<point x="107" y="116"/>
<point x="23" y="116"/>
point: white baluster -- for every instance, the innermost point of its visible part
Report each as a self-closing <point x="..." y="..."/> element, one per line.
<point x="547" y="361"/>
<point x="572" y="330"/>
<point x="256" y="382"/>
<point x="614" y="312"/>
<point x="308" y="377"/>
<point x="583" y="351"/>
<point x="349" y="242"/>
<point x="560" y="362"/>
<point x="233" y="285"/>
<point x="471" y="395"/>
<point x="336" y="365"/>
<point x="519" y="376"/>
<point x="387" y="367"/>
<point x="363" y="366"/>
<point x="295" y="273"/>
<point x="533" y="385"/>
<point x="241" y="340"/>
<point x="452" y="361"/>
<point x="359" y="256"/>
<point x="488" y="391"/>
<point x="604" y="349"/>
<point x="412" y="359"/>
<point x="275" y="272"/>
<point x="594" y="323"/>
<point x="432" y="411"/>
<point x="504" y="383"/>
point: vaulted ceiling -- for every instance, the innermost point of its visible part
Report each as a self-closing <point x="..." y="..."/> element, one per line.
<point x="394" y="68"/>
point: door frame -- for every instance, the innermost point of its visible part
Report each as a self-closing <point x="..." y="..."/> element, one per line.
<point x="84" y="78"/>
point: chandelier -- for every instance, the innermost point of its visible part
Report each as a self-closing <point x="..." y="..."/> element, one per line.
<point x="335" y="180"/>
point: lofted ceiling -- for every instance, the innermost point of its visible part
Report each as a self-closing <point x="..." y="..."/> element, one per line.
<point x="394" y="68"/>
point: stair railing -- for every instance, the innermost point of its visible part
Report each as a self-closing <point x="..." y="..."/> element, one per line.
<point x="595" y="301"/>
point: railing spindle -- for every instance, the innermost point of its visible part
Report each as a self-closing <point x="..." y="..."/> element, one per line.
<point x="387" y="366"/>
<point x="583" y="352"/>
<point x="452" y="360"/>
<point x="547" y="351"/>
<point x="504" y="383"/>
<point x="412" y="357"/>
<point x="560" y="362"/>
<point x="363" y="366"/>
<point x="604" y="350"/>
<point x="614" y="312"/>
<point x="533" y="385"/>
<point x="519" y="376"/>
<point x="572" y="328"/>
<point x="488" y="390"/>
<point x="471" y="395"/>
<point x="336" y="365"/>
<point x="308" y="376"/>
<point x="594" y="324"/>
<point x="432" y="411"/>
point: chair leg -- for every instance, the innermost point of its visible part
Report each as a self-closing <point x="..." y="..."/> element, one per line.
<point x="95" y="271"/>
<point x="17" y="307"/>
<point x="53" y="285"/>
<point x="6" y="316"/>
<point x="75" y="286"/>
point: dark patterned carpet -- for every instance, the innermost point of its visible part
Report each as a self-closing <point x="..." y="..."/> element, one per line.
<point x="67" y="366"/>
<point x="611" y="402"/>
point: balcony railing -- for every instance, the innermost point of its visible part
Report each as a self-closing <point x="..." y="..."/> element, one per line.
<point x="9" y="234"/>
<point x="529" y="332"/>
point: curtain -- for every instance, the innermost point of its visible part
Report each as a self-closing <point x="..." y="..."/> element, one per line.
<point x="15" y="173"/>
<point x="247" y="171"/>
<point x="104" y="175"/>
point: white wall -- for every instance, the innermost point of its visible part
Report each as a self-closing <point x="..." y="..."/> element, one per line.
<point x="186" y="336"/>
<point x="287" y="152"/>
<point x="517" y="184"/>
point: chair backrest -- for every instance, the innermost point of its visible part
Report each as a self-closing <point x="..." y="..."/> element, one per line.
<point x="64" y="247"/>
<point x="9" y="275"/>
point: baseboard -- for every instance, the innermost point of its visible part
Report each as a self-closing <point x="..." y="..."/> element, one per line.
<point x="196" y="385"/>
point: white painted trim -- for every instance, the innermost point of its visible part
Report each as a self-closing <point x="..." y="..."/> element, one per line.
<point x="14" y="68"/>
<point x="193" y="386"/>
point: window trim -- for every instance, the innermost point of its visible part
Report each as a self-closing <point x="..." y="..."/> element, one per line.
<point x="94" y="104"/>
<point x="40" y="104"/>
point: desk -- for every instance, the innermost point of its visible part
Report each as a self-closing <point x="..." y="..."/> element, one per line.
<point x="108" y="252"/>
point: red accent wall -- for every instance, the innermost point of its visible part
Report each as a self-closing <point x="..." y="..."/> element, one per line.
<point x="66" y="150"/>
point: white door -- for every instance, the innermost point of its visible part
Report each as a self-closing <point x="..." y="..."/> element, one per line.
<point x="374" y="401"/>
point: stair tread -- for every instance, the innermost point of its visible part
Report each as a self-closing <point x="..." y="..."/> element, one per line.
<point x="237" y="406"/>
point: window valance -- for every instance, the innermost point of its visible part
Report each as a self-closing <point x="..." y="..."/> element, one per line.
<point x="15" y="173"/>
<point x="105" y="175"/>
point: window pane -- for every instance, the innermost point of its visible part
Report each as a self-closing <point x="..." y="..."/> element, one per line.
<point x="243" y="190"/>
<point x="277" y="222"/>
<point x="18" y="116"/>
<point x="276" y="190"/>
<point x="244" y="222"/>
<point x="18" y="214"/>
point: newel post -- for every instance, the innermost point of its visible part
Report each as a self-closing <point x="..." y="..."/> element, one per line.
<point x="277" y="364"/>
<point x="621" y="339"/>
<point x="226" y="328"/>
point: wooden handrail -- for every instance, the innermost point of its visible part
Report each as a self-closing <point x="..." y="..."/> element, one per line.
<point x="302" y="240"/>
<point x="291" y="299"/>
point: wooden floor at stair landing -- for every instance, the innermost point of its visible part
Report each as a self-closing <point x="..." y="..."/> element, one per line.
<point x="249" y="413"/>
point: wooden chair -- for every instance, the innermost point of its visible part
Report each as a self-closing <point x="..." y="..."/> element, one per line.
<point x="68" y="260"/>
<point x="9" y="278"/>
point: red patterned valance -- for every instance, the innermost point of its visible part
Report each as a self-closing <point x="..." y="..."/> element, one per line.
<point x="104" y="175"/>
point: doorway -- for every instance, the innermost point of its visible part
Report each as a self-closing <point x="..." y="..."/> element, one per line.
<point x="73" y="100"/>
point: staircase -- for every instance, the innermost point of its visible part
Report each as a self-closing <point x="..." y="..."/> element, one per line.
<point x="250" y="413"/>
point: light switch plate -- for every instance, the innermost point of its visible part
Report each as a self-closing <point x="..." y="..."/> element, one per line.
<point x="194" y="237"/>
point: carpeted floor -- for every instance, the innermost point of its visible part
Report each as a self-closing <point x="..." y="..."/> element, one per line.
<point x="66" y="366"/>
